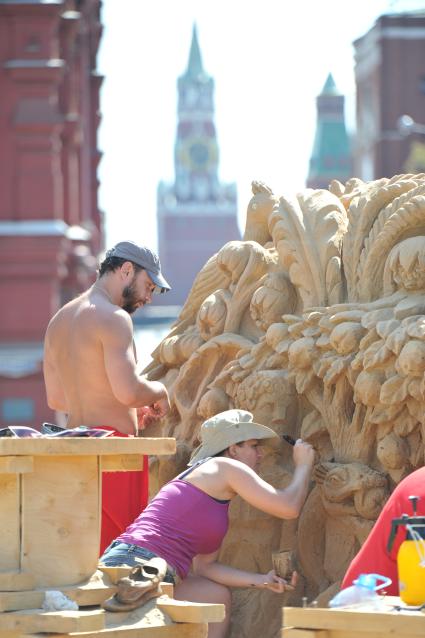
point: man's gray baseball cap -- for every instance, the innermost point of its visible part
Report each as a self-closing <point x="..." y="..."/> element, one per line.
<point x="144" y="257"/>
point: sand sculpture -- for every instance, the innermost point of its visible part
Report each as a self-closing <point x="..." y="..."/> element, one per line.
<point x="315" y="322"/>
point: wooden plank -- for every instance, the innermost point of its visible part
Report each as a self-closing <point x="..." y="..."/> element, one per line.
<point x="122" y="463"/>
<point x="16" y="464"/>
<point x="146" y="621"/>
<point x="291" y="632"/>
<point x="115" y="573"/>
<point x="167" y="589"/>
<point x="184" y="611"/>
<point x="92" y="592"/>
<point x="37" y="620"/>
<point x="61" y="520"/>
<point x="355" y="620"/>
<point x="10" y="505"/>
<point x="16" y="581"/>
<point x="82" y="446"/>
<point x="181" y="630"/>
<point x="15" y="600"/>
<point x="330" y="633"/>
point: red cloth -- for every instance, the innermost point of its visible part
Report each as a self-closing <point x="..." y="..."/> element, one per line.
<point x="124" y="496"/>
<point x="373" y="557"/>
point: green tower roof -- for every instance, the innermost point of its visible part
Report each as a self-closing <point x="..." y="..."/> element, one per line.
<point x="329" y="87"/>
<point x="331" y="155"/>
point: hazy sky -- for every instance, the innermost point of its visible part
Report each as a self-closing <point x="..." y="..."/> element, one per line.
<point x="269" y="60"/>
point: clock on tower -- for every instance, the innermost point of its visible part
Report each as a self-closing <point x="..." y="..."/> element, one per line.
<point x="198" y="153"/>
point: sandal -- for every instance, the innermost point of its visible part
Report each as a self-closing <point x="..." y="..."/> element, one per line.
<point x="113" y="604"/>
<point x="142" y="584"/>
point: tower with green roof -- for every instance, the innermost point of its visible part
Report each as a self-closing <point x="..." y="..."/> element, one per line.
<point x="331" y="157"/>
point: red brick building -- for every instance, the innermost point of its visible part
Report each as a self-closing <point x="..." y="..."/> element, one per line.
<point x="390" y="79"/>
<point x="50" y="225"/>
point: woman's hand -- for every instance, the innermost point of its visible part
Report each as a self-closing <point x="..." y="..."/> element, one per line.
<point x="303" y="453"/>
<point x="273" y="582"/>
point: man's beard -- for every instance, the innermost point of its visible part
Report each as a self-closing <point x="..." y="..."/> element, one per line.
<point x="129" y="295"/>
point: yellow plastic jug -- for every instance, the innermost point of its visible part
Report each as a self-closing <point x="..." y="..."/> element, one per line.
<point x="410" y="556"/>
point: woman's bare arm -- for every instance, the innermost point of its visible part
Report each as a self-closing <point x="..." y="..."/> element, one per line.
<point x="206" y="565"/>
<point x="283" y="503"/>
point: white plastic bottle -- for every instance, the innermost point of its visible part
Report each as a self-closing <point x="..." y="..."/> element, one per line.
<point x="362" y="593"/>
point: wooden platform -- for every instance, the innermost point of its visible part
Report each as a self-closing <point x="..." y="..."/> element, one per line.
<point x="85" y="445"/>
<point x="156" y="618"/>
<point x="351" y="623"/>
<point x="50" y="503"/>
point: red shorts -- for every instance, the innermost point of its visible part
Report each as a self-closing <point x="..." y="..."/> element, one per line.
<point x="124" y="496"/>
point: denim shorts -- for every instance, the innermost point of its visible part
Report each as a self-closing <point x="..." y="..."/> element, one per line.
<point x="119" y="553"/>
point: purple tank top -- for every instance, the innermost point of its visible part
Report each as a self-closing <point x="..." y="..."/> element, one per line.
<point x="179" y="523"/>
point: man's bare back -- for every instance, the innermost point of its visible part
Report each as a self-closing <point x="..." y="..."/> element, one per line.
<point x="90" y="365"/>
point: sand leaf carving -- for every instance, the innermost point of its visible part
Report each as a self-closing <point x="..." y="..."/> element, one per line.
<point x="415" y="408"/>
<point x="396" y="340"/>
<point x="307" y="231"/>
<point x="303" y="380"/>
<point x="405" y="423"/>
<point x="394" y="390"/>
<point x="402" y="207"/>
<point x="382" y="355"/>
<point x="385" y="414"/>
<point x="210" y="278"/>
<point x="417" y="330"/>
<point x="370" y="353"/>
<point x="335" y="370"/>
<point x="415" y="389"/>
<point x="369" y="237"/>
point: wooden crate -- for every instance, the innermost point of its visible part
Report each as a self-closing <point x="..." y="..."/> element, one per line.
<point x="50" y="505"/>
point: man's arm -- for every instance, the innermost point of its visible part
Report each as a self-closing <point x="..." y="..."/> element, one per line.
<point x="130" y="389"/>
<point x="54" y="389"/>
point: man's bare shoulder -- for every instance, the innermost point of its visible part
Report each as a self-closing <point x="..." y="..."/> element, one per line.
<point x="99" y="315"/>
<point x="113" y="315"/>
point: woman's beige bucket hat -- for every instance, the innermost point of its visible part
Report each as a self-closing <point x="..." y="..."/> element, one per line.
<point x="225" y="429"/>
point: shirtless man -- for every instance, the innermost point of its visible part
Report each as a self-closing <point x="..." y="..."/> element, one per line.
<point x="90" y="367"/>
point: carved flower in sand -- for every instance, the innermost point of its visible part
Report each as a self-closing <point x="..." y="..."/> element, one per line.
<point x="345" y="337"/>
<point x="275" y="298"/>
<point x="367" y="388"/>
<point x="212" y="314"/>
<point x="411" y="360"/>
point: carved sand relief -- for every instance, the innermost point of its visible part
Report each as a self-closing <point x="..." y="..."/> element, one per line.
<point x="315" y="322"/>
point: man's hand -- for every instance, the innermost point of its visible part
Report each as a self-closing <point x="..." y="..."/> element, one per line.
<point x="145" y="417"/>
<point x="161" y="407"/>
<point x="148" y="414"/>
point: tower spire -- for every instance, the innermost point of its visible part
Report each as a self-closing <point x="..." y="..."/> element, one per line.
<point x="329" y="88"/>
<point x="194" y="67"/>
